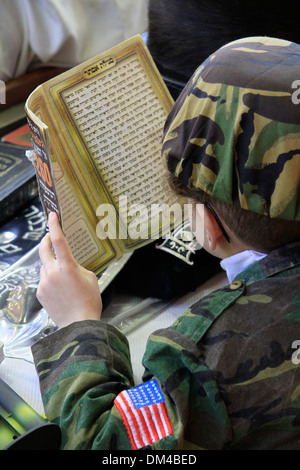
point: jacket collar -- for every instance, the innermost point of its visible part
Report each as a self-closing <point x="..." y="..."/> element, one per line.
<point x="286" y="257"/>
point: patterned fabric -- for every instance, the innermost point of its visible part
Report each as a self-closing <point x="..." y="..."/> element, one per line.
<point x="143" y="411"/>
<point x="234" y="132"/>
<point x="226" y="369"/>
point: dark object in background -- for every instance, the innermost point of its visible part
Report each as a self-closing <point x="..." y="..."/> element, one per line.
<point x="22" y="233"/>
<point x="151" y="272"/>
<point x="18" y="185"/>
<point x="183" y="33"/>
<point x="22" y="428"/>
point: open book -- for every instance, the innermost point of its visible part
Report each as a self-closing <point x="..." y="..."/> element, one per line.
<point x="97" y="131"/>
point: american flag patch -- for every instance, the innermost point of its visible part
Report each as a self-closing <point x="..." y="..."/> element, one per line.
<point x="144" y="414"/>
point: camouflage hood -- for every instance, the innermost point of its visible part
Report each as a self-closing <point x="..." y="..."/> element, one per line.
<point x="234" y="132"/>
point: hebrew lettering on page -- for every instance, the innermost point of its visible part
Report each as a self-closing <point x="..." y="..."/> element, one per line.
<point x="120" y="119"/>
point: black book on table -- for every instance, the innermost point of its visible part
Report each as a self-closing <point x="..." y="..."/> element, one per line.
<point x="18" y="183"/>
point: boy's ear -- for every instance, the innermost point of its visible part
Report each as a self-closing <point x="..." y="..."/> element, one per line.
<point x="213" y="231"/>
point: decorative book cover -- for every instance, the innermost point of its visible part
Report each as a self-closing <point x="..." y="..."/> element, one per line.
<point x="97" y="132"/>
<point x="20" y="136"/>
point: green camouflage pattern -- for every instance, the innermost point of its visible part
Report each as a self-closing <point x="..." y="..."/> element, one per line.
<point x="234" y="132"/>
<point x="225" y="367"/>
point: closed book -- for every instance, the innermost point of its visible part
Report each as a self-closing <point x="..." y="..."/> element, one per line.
<point x="18" y="183"/>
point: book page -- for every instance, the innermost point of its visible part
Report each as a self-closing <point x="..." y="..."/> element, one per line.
<point x="57" y="194"/>
<point x="106" y="119"/>
<point x="120" y="120"/>
<point x="80" y="239"/>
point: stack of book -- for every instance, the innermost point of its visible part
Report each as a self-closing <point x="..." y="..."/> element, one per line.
<point x="18" y="183"/>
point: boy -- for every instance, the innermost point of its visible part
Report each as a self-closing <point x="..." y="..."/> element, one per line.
<point x="225" y="375"/>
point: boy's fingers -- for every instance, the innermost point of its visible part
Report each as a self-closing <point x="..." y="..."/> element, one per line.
<point x="45" y="250"/>
<point x="59" y="242"/>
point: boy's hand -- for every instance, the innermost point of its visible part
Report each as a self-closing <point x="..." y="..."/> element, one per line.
<point x="67" y="291"/>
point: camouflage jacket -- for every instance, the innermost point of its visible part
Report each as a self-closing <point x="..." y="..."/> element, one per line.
<point x="226" y="375"/>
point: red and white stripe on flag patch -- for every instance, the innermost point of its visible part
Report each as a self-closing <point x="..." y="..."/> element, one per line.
<point x="144" y="414"/>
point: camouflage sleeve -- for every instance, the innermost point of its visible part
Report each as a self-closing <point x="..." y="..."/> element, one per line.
<point x="195" y="405"/>
<point x="85" y="374"/>
<point x="82" y="368"/>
